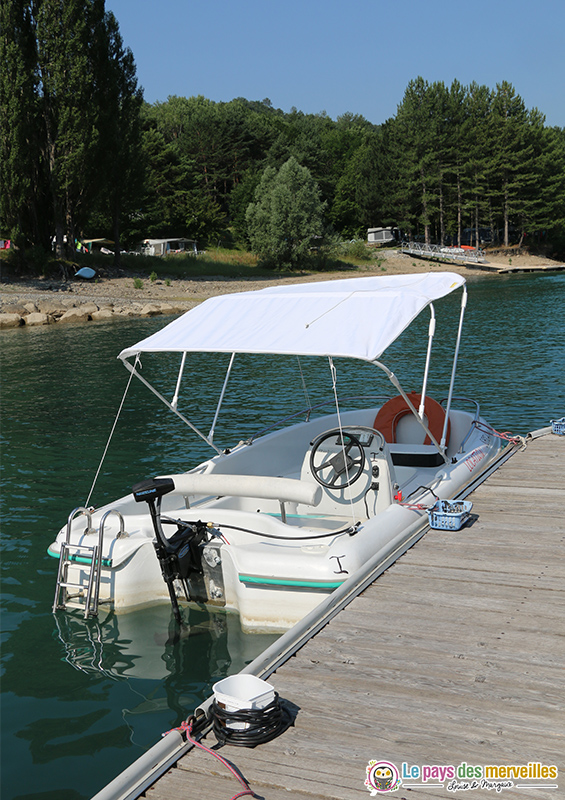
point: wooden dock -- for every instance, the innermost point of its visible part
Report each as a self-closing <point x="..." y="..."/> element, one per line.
<point x="454" y="655"/>
<point x="501" y="269"/>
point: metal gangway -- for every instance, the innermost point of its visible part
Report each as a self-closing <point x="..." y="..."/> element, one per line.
<point x="442" y="252"/>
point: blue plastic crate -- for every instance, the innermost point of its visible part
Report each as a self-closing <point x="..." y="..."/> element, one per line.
<point x="558" y="426"/>
<point x="449" y="515"/>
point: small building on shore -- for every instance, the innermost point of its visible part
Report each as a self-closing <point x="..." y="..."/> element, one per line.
<point x="381" y="235"/>
<point x="165" y="247"/>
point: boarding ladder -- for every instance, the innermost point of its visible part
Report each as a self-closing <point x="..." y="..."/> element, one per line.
<point x="86" y="594"/>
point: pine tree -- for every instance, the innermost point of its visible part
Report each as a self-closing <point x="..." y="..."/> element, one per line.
<point x="479" y="172"/>
<point x="455" y="155"/>
<point x="552" y="190"/>
<point x="512" y="152"/>
<point x="179" y="194"/>
<point x="416" y="129"/>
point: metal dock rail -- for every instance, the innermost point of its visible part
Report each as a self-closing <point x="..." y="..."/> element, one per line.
<point x="452" y="660"/>
<point x="472" y="258"/>
<point x="441" y="252"/>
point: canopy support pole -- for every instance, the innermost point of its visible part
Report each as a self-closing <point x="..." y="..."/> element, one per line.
<point x="175" y="399"/>
<point x="394" y="380"/>
<point x="222" y="393"/>
<point x="431" y="331"/>
<point x="455" y="357"/>
<point x="164" y="400"/>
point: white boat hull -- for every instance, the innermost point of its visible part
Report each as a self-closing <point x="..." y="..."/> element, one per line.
<point x="274" y="579"/>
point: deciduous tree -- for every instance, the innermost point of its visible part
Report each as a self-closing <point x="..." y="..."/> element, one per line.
<point x="286" y="216"/>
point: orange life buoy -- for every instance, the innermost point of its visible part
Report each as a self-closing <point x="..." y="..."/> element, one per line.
<point x="394" y="409"/>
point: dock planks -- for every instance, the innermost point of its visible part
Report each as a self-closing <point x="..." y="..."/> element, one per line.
<point x="455" y="654"/>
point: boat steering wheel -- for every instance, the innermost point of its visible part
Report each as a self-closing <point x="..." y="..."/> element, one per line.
<point x="348" y="462"/>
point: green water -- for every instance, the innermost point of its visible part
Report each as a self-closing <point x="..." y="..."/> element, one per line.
<point x="81" y="701"/>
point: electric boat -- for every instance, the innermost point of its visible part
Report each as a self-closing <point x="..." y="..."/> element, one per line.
<point x="269" y="526"/>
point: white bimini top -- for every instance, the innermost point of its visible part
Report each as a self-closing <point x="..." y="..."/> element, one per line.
<point x="355" y="318"/>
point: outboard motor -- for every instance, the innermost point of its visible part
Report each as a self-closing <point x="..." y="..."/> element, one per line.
<point x="180" y="556"/>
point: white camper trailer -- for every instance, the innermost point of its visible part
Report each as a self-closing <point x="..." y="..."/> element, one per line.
<point x="380" y="235"/>
<point x="165" y="247"/>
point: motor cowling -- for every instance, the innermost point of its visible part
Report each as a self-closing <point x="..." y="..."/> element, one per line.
<point x="184" y="549"/>
<point x="180" y="556"/>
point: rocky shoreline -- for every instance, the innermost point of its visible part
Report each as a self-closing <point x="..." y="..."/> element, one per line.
<point x="43" y="301"/>
<point x="45" y="312"/>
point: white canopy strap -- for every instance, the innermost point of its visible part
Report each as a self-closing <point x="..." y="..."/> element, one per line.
<point x="109" y="438"/>
<point x="304" y="387"/>
<point x="163" y="399"/>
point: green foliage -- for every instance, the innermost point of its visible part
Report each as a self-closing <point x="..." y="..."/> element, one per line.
<point x="21" y="189"/>
<point x="357" y="249"/>
<point x="70" y="103"/>
<point x="153" y="276"/>
<point x="95" y="161"/>
<point x="240" y="198"/>
<point x="286" y="217"/>
<point x="137" y="283"/>
<point x="468" y="158"/>
<point x="33" y="260"/>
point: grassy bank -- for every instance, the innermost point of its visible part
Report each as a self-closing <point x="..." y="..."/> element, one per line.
<point x="215" y="262"/>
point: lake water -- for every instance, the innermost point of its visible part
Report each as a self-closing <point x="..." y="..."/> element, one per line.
<point x="82" y="700"/>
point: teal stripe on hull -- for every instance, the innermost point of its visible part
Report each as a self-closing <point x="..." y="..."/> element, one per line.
<point x="284" y="582"/>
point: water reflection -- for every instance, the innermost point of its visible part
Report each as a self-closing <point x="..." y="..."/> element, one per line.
<point x="169" y="670"/>
<point x="148" y="644"/>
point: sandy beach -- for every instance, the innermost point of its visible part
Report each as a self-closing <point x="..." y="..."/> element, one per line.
<point x="44" y="300"/>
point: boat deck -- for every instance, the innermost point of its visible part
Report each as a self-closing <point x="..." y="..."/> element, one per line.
<point x="455" y="654"/>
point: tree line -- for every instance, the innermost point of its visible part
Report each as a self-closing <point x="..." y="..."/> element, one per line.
<point x="81" y="154"/>
<point x="70" y="134"/>
<point x="452" y="159"/>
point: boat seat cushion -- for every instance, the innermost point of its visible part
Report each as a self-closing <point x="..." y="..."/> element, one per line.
<point x="415" y="455"/>
<point x="259" y="486"/>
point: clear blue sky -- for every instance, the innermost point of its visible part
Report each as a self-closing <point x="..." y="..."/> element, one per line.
<point x="348" y="55"/>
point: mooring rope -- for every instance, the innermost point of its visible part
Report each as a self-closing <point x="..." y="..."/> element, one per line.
<point x="186" y="728"/>
<point x="506" y="436"/>
<point x="111" y="434"/>
<point x="304" y="387"/>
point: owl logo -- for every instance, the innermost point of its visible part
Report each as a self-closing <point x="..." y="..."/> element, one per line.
<point x="382" y="776"/>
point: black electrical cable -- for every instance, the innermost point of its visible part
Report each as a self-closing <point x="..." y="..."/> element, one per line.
<point x="426" y="488"/>
<point x="351" y="530"/>
<point x="262" y="724"/>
